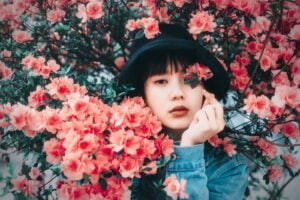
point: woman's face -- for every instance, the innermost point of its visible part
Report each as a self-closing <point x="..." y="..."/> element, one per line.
<point x="171" y="100"/>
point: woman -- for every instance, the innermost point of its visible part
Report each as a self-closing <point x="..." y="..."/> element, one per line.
<point x="189" y="113"/>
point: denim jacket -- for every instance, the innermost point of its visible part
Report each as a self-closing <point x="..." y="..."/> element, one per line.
<point x="210" y="175"/>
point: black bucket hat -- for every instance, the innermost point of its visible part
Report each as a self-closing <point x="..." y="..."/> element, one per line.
<point x="175" y="37"/>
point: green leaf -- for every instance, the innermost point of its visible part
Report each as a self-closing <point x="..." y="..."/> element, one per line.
<point x="11" y="169"/>
<point x="247" y="21"/>
<point x="103" y="183"/>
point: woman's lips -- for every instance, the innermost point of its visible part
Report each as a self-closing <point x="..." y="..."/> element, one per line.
<point x="179" y="111"/>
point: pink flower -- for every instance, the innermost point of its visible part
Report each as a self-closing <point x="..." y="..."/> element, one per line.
<point x="290" y="130"/>
<point x="56" y="15"/>
<point x="162" y="14"/>
<point x="295" y="32"/>
<point x="132" y="143"/>
<point x="94" y="9"/>
<point x="228" y="147"/>
<point x="117" y="140"/>
<point x="52" y="119"/>
<point x="60" y="87"/>
<point x="151" y="28"/>
<point x="274" y="173"/>
<point x="19" y="182"/>
<point x="29" y="187"/>
<point x="221" y="4"/>
<point x="202" y="71"/>
<point x="174" y="188"/>
<point x="254" y="47"/>
<point x="119" y="62"/>
<point x="286" y="95"/>
<point x="21" y="36"/>
<point x="5" y="72"/>
<point x="279" y="78"/>
<point x="28" y="60"/>
<point x="133" y="24"/>
<point x="252" y="7"/>
<point x="34" y="173"/>
<point x="54" y="151"/>
<point x="89" y="143"/>
<point x="82" y="13"/>
<point x="215" y="141"/>
<point x="37" y="97"/>
<point x="5" y="53"/>
<point x="290" y="160"/>
<point x="71" y="191"/>
<point x="71" y="166"/>
<point x="128" y="167"/>
<point x="200" y="22"/>
<point x="259" y="105"/>
<point x="267" y="148"/>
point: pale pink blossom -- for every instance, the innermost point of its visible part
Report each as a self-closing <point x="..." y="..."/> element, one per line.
<point x="286" y="95"/>
<point x="279" y="78"/>
<point x="37" y="97"/>
<point x="21" y="36"/>
<point x="200" y="22"/>
<point x="295" y="32"/>
<point x="151" y="28"/>
<point x="290" y="130"/>
<point x="221" y="4"/>
<point x="94" y="9"/>
<point x="81" y="13"/>
<point x="290" y="160"/>
<point x="71" y="166"/>
<point x="34" y="173"/>
<point x="175" y="188"/>
<point x="56" y="15"/>
<point x="267" y="148"/>
<point x="203" y="72"/>
<point x="215" y="141"/>
<point x="259" y="105"/>
<point x="5" y="53"/>
<point x="5" y="72"/>
<point x="274" y="173"/>
<point x="228" y="147"/>
<point x="128" y="167"/>
<point x="133" y="24"/>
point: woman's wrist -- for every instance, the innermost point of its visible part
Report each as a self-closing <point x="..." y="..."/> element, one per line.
<point x="186" y="140"/>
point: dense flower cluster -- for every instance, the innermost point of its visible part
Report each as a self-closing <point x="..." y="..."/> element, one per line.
<point x="91" y="139"/>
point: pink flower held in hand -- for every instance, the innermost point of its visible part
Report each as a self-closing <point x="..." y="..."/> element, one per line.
<point x="201" y="22"/>
<point x="290" y="160"/>
<point x="21" y="36"/>
<point x="274" y="173"/>
<point x="174" y="188"/>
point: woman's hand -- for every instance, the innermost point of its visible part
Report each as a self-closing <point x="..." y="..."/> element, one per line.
<point x="207" y="122"/>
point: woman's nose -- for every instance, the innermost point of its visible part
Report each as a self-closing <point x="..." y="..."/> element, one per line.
<point x="176" y="90"/>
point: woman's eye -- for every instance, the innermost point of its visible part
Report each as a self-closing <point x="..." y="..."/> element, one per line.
<point x="160" y="81"/>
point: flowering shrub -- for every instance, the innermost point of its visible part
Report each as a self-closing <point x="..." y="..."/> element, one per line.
<point x="62" y="109"/>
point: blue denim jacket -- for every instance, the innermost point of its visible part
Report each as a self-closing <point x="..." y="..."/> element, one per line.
<point x="210" y="174"/>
